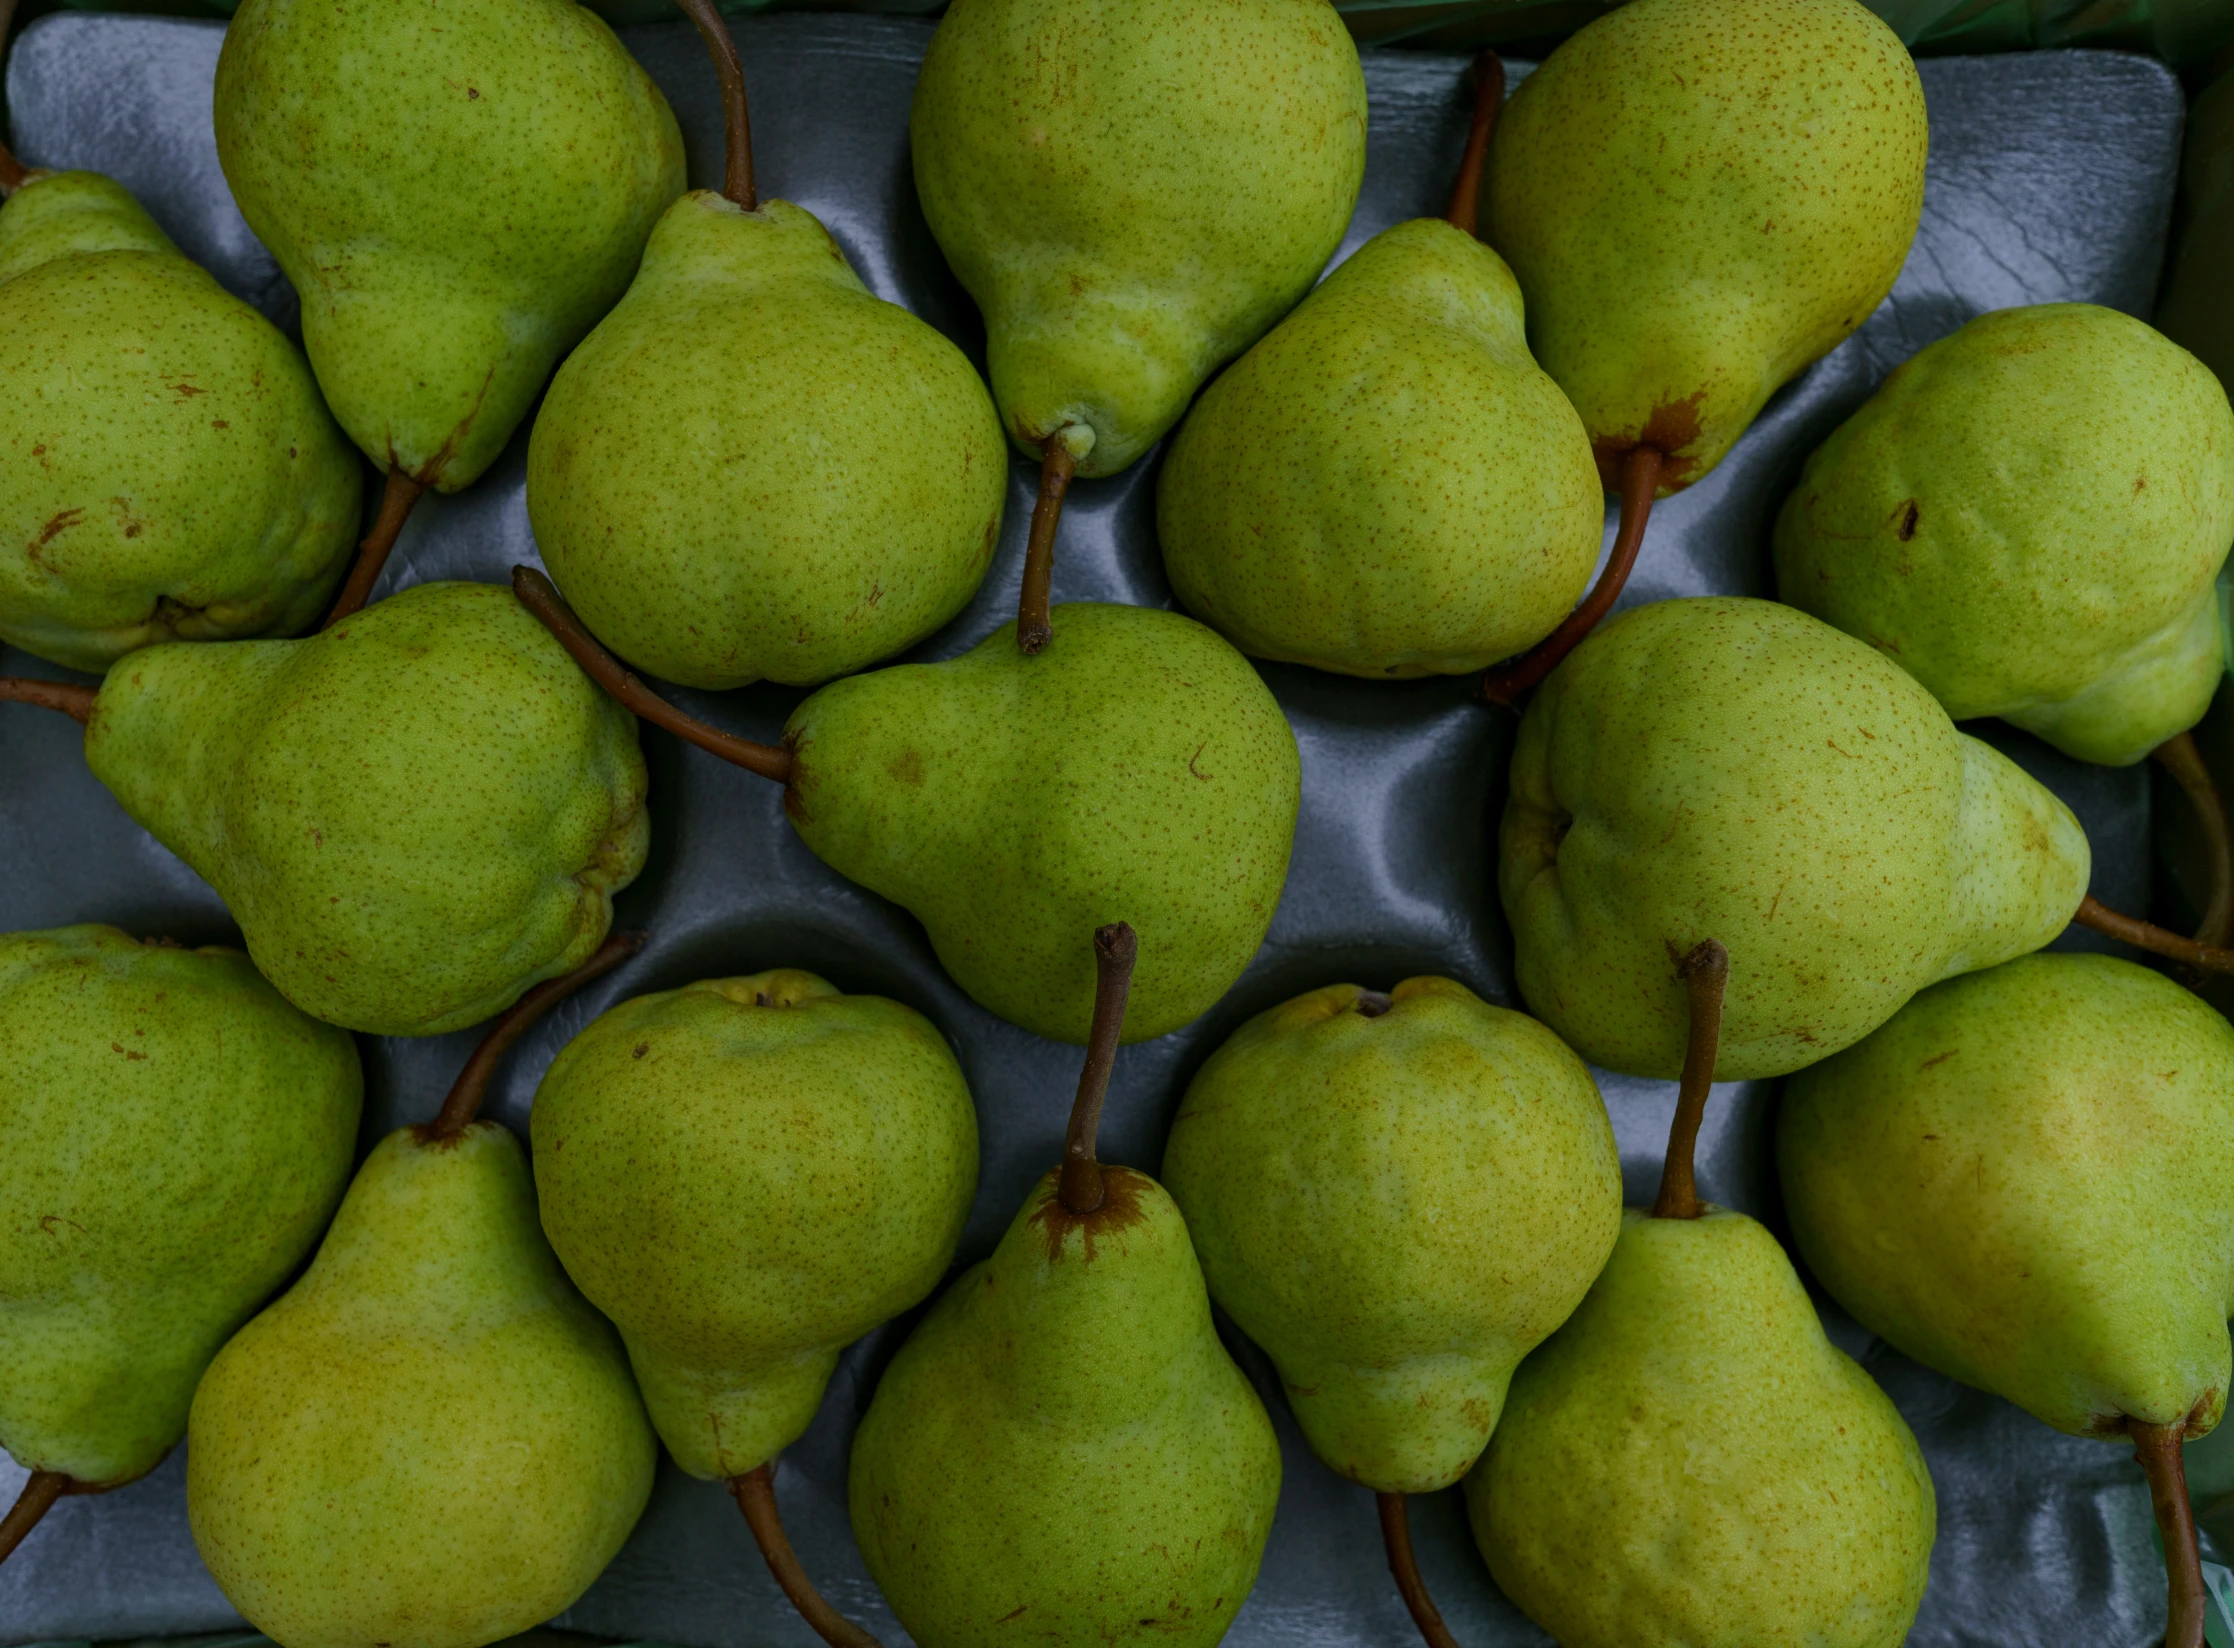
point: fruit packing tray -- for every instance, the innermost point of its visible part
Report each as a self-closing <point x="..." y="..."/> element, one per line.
<point x="2051" y="178"/>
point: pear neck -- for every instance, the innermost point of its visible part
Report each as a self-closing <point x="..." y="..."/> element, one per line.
<point x="1464" y="211"/>
<point x="464" y="1103"/>
<point x="1705" y="973"/>
<point x="736" y="119"/>
<point x="72" y="700"/>
<point x="1080" y="1186"/>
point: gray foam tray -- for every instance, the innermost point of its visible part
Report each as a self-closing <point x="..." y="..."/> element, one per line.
<point x="2051" y="178"/>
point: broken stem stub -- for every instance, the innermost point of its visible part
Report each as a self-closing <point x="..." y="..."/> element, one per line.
<point x="1396" y="1538"/>
<point x="736" y="121"/>
<point x="36" y="1499"/>
<point x="1034" y="626"/>
<point x="1464" y="211"/>
<point x="755" y="1493"/>
<point x="2157" y="1447"/>
<point x="2146" y="935"/>
<point x="2179" y="756"/>
<point x="537" y="594"/>
<point x="1080" y="1185"/>
<point x="402" y="493"/>
<point x="464" y="1101"/>
<point x="72" y="700"/>
<point x="1705" y="972"/>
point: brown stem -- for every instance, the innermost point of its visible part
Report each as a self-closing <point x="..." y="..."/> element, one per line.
<point x="12" y="170"/>
<point x="464" y="1102"/>
<point x="536" y="593"/>
<point x="2157" y="1447"/>
<point x="37" y="1498"/>
<point x="2179" y="757"/>
<point x="1464" y="211"/>
<point x="1396" y="1535"/>
<point x="1115" y="948"/>
<point x="2146" y="935"/>
<point x="1056" y="468"/>
<point x="1640" y="478"/>
<point x="736" y="181"/>
<point x="396" y="501"/>
<point x="756" y="1497"/>
<point x="1706" y="975"/>
<point x="72" y="700"/>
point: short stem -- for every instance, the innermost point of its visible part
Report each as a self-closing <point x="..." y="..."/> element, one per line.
<point x="1640" y="479"/>
<point x="536" y="593"/>
<point x="2157" y="1447"/>
<point x="2179" y="756"/>
<point x="396" y="501"/>
<point x="756" y="1496"/>
<point x="2146" y="935"/>
<point x="1464" y="212"/>
<point x="72" y="700"/>
<point x="1057" y="466"/>
<point x="37" y="1498"/>
<point x="1396" y="1535"/>
<point x="1706" y="975"/>
<point x="464" y="1102"/>
<point x="1080" y="1185"/>
<point x="713" y="28"/>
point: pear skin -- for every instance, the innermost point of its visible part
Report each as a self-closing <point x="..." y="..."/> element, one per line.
<point x="171" y="472"/>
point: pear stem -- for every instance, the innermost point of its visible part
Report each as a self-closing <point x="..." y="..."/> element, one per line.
<point x="2157" y="1447"/>
<point x="464" y="1102"/>
<point x="713" y="28"/>
<point x="1706" y="976"/>
<point x="12" y="171"/>
<point x="1056" y="467"/>
<point x="396" y="502"/>
<point x="755" y="1493"/>
<point x="2147" y="935"/>
<point x="37" y="1498"/>
<point x="72" y="700"/>
<point x="536" y="593"/>
<point x="2179" y="756"/>
<point x="1080" y="1186"/>
<point x="1640" y="478"/>
<point x="1464" y="211"/>
<point x="1396" y="1536"/>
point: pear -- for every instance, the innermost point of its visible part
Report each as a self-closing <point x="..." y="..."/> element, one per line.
<point x="2030" y="517"/>
<point x="430" y="1438"/>
<point x="1013" y="801"/>
<point x="747" y="1174"/>
<point x="173" y="1138"/>
<point x="1133" y="191"/>
<point x="1063" y="1452"/>
<point x="458" y="195"/>
<point x="170" y="471"/>
<point x="1689" y="1460"/>
<point x="1734" y="768"/>
<point x="2026" y="1180"/>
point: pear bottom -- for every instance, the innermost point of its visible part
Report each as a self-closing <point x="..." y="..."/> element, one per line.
<point x="1413" y="1428"/>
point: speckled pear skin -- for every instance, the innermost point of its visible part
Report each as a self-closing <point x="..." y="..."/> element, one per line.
<point x="1133" y="191"/>
<point x="167" y="469"/>
<point x="414" y="815"/>
<point x="1386" y="485"/>
<point x="1063" y="1452"/>
<point x="756" y="468"/>
<point x="1137" y="770"/>
<point x="457" y="192"/>
<point x="1734" y="769"/>
<point x="2026" y="1180"/>
<point x="430" y="1439"/>
<point x="1700" y="197"/>
<point x="1398" y="1208"/>
<point x="1689" y="1460"/>
<point x="173" y="1139"/>
<point x="746" y="1175"/>
<point x="2030" y="517"/>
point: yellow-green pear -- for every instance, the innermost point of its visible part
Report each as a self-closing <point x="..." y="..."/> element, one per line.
<point x="2030" y="517"/>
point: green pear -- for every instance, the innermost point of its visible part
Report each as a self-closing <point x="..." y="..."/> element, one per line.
<point x="1736" y="769"/>
<point x="748" y="1174"/>
<point x="1387" y="484"/>
<point x="414" y="815"/>
<point x="754" y="467"/>
<point x="458" y="193"/>
<point x="2030" y="517"/>
<point x="1689" y="1461"/>
<point x="1398" y="1197"/>
<point x="1700" y="197"/>
<point x="169" y="469"/>
<point x="1133" y="191"/>
<point x="173" y="1138"/>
